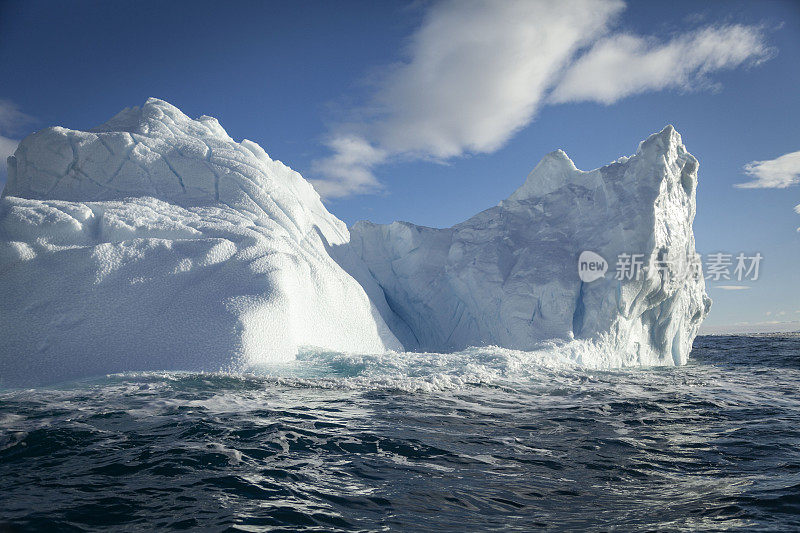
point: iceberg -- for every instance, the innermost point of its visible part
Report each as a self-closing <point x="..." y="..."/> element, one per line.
<point x="157" y="242"/>
<point x="509" y="275"/>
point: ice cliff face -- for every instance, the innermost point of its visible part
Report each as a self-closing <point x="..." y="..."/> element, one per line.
<point x="156" y="242"/>
<point x="509" y="275"/>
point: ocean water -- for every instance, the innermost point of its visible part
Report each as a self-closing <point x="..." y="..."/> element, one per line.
<point x="479" y="440"/>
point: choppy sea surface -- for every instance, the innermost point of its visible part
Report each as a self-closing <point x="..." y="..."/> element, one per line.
<point x="479" y="440"/>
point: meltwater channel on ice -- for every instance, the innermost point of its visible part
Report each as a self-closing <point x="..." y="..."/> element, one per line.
<point x="157" y="242"/>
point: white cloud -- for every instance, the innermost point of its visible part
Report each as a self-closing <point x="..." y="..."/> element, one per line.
<point x="477" y="71"/>
<point x="7" y="147"/>
<point x="731" y="287"/>
<point x="623" y="65"/>
<point x="11" y="120"/>
<point x="347" y="171"/>
<point x="775" y="173"/>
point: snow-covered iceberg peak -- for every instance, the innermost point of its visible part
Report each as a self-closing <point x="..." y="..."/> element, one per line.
<point x="509" y="275"/>
<point x="554" y="171"/>
<point x="157" y="151"/>
<point x="157" y="242"/>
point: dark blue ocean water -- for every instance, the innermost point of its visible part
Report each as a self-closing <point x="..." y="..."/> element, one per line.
<point x="471" y="441"/>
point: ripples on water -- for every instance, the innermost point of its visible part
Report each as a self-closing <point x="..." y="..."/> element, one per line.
<point x="477" y="440"/>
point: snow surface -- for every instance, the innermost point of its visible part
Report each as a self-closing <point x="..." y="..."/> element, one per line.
<point x="508" y="276"/>
<point x="156" y="242"/>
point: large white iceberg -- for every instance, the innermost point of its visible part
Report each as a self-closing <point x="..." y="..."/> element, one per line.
<point x="509" y="275"/>
<point x="156" y="242"/>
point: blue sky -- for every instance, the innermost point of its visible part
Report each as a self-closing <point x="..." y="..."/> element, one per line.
<point x="433" y="111"/>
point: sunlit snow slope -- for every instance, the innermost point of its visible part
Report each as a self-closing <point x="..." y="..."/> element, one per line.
<point x="157" y="242"/>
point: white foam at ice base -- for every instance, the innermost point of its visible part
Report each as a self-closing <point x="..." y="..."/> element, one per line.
<point x="434" y="371"/>
<point x="426" y="372"/>
<point x="156" y="242"/>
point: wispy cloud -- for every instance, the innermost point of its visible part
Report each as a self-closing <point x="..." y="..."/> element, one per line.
<point x="731" y="287"/>
<point x="777" y="173"/>
<point x="7" y="148"/>
<point x="348" y="170"/>
<point x="11" y="118"/>
<point x="478" y="71"/>
<point x="11" y="122"/>
<point x="624" y="65"/>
